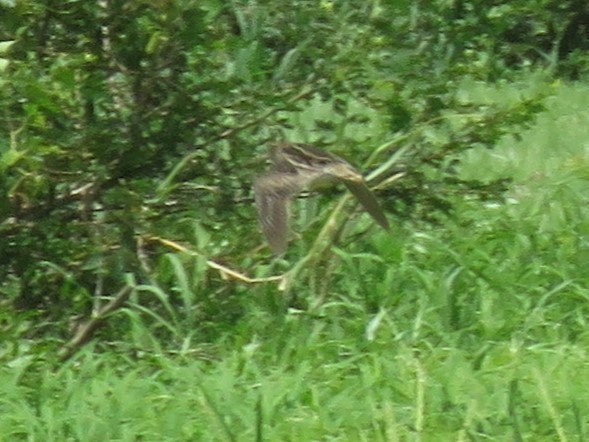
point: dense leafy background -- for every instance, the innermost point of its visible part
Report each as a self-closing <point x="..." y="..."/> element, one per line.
<point x="130" y="134"/>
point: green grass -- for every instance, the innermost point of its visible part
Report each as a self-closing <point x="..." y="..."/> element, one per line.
<point x="475" y="330"/>
<point x="323" y="384"/>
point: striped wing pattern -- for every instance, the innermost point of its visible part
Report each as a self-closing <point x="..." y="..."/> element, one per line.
<point x="294" y="168"/>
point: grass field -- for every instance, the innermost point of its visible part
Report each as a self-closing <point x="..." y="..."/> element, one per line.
<point x="472" y="331"/>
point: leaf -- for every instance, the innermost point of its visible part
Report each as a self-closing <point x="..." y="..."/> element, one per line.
<point x="289" y="61"/>
<point x="9" y="159"/>
<point x="5" y="46"/>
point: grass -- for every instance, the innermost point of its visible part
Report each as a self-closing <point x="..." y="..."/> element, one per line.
<point x="319" y="386"/>
<point x="476" y="330"/>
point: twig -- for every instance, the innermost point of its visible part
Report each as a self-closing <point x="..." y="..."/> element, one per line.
<point x="225" y="272"/>
<point x="86" y="331"/>
<point x="229" y="132"/>
<point x="165" y="184"/>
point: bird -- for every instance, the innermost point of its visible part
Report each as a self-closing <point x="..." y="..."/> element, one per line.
<point x="296" y="167"/>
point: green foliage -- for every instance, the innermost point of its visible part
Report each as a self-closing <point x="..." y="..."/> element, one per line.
<point x="130" y="133"/>
<point x="324" y="382"/>
<point x="109" y="108"/>
<point x="486" y="39"/>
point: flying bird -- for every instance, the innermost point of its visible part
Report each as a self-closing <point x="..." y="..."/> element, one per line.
<point x="296" y="167"/>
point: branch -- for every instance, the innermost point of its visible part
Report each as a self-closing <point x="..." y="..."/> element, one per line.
<point x="86" y="331"/>
<point x="42" y="210"/>
<point x="230" y="132"/>
<point x="165" y="184"/>
<point x="225" y="272"/>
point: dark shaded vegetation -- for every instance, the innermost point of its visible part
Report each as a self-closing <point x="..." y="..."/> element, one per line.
<point x="125" y="122"/>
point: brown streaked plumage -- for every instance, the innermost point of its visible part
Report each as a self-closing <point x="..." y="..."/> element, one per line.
<point x="294" y="168"/>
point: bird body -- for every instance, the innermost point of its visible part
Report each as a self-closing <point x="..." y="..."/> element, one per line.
<point x="296" y="167"/>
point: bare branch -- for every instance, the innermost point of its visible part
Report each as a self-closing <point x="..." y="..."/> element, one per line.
<point x="86" y="331"/>
<point x="225" y="272"/>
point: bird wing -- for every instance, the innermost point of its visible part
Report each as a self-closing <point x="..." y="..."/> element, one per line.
<point x="273" y="192"/>
<point x="365" y="196"/>
<point x="355" y="183"/>
<point x="298" y="166"/>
